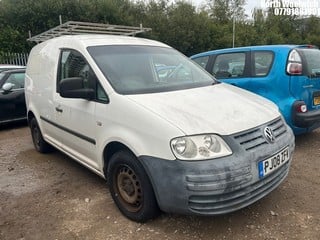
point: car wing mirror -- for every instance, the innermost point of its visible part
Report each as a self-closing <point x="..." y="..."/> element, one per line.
<point x="7" y="87"/>
<point x="74" y="88"/>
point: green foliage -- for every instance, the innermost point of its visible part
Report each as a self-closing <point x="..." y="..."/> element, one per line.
<point x="177" y="23"/>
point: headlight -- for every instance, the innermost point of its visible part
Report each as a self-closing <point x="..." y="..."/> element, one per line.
<point x="199" y="147"/>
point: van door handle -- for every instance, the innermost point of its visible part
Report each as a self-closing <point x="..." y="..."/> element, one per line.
<point x="59" y="110"/>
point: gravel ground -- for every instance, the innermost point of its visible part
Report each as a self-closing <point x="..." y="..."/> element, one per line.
<point x="52" y="197"/>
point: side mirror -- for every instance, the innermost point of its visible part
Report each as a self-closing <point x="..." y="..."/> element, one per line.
<point x="7" y="87"/>
<point x="74" y="88"/>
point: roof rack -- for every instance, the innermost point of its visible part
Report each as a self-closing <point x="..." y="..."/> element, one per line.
<point x="77" y="28"/>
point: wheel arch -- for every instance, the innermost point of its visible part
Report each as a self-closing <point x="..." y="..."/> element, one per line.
<point x="110" y="149"/>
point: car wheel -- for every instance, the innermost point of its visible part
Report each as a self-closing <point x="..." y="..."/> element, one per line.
<point x="130" y="187"/>
<point x="39" y="143"/>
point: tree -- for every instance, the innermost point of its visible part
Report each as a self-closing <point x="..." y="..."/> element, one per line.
<point x="224" y="11"/>
<point x="178" y="24"/>
<point x="310" y="30"/>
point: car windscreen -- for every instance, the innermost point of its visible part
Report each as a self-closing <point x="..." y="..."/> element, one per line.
<point x="132" y="69"/>
<point x="312" y="58"/>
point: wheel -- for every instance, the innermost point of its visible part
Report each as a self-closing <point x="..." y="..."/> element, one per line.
<point x="39" y="143"/>
<point x="130" y="187"/>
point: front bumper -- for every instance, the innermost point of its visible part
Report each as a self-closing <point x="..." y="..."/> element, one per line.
<point x="223" y="185"/>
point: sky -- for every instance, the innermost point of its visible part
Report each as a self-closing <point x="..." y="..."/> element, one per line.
<point x="251" y="4"/>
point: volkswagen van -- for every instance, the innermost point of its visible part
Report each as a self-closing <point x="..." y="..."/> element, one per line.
<point x="162" y="131"/>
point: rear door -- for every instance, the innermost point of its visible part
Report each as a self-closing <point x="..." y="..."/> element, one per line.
<point x="232" y="68"/>
<point x="305" y="82"/>
<point x="248" y="69"/>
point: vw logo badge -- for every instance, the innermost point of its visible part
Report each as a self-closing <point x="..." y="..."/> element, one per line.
<point x="268" y="133"/>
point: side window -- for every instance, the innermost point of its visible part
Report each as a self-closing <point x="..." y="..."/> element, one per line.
<point x="73" y="64"/>
<point x="262" y="61"/>
<point x="101" y="94"/>
<point x="202" y="61"/>
<point x="229" y="65"/>
<point x="17" y="79"/>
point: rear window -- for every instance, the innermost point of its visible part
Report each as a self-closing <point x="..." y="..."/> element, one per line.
<point x="312" y="58"/>
<point x="262" y="62"/>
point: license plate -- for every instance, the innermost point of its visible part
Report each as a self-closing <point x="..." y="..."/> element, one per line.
<point x="271" y="164"/>
<point x="316" y="100"/>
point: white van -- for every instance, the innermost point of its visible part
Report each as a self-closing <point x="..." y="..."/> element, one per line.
<point x="163" y="133"/>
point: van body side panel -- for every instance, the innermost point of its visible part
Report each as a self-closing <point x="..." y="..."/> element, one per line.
<point x="75" y="122"/>
<point x="144" y="133"/>
<point x="40" y="87"/>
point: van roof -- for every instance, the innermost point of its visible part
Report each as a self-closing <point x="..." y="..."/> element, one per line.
<point x="87" y="40"/>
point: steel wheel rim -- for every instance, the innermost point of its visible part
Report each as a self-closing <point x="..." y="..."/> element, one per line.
<point x="128" y="188"/>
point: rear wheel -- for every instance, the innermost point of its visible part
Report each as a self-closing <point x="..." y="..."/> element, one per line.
<point x="39" y="143"/>
<point x="130" y="187"/>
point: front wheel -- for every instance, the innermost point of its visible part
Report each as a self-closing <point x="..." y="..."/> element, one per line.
<point x="130" y="187"/>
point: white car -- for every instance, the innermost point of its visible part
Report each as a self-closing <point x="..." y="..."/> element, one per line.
<point x="180" y="142"/>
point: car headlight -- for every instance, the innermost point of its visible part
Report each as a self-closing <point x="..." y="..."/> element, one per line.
<point x="199" y="147"/>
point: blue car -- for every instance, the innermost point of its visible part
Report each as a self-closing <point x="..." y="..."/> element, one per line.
<point x="288" y="75"/>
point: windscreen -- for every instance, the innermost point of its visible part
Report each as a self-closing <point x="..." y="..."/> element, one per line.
<point x="148" y="69"/>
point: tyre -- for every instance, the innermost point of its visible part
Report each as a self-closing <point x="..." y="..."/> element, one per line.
<point x="130" y="187"/>
<point x="39" y="143"/>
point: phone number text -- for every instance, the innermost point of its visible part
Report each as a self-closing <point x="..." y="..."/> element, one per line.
<point x="296" y="11"/>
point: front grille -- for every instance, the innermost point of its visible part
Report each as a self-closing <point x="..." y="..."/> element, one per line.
<point x="231" y="199"/>
<point x="218" y="182"/>
<point x="254" y="138"/>
<point x="278" y="127"/>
